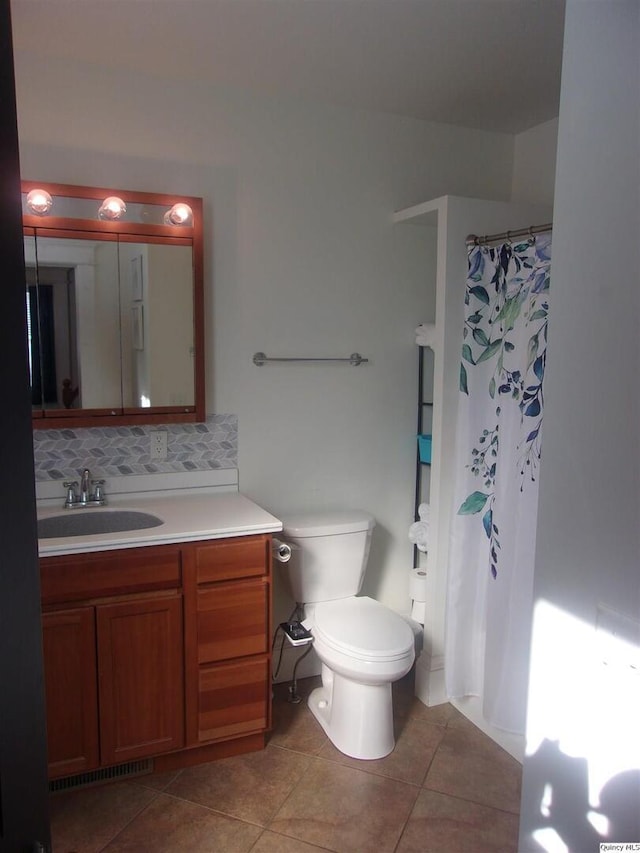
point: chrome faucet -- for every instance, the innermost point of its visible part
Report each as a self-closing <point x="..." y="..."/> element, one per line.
<point x="84" y="486"/>
<point x="84" y="497"/>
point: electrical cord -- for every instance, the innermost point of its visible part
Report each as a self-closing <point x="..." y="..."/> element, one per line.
<point x="294" y="612"/>
<point x="277" y="669"/>
<point x="293" y="687"/>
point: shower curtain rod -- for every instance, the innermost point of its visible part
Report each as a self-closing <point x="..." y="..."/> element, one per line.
<point x="531" y="231"/>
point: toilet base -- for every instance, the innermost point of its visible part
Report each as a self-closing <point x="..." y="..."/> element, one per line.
<point x="357" y="718"/>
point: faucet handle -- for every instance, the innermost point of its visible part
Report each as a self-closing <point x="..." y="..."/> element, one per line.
<point x="70" y="486"/>
<point x="98" y="494"/>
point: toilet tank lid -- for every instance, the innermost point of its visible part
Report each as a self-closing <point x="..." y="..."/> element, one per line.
<point x="327" y="523"/>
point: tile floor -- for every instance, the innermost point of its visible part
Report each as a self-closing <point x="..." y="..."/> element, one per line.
<point x="446" y="788"/>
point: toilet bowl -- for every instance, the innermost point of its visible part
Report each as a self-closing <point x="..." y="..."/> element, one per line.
<point x="362" y="645"/>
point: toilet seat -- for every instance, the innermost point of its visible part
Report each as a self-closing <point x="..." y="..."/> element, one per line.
<point x="363" y="629"/>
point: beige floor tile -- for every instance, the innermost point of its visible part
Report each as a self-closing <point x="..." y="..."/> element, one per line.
<point x="437" y="715"/>
<point x="407" y="706"/>
<point x="346" y="810"/>
<point x="156" y="781"/>
<point x="251" y="787"/>
<point x="84" y="821"/>
<point x="458" y="719"/>
<point x="271" y="842"/>
<point x="443" y="824"/>
<point x="294" y="727"/>
<point x="471" y="766"/>
<point x="415" y="748"/>
<point x="168" y="825"/>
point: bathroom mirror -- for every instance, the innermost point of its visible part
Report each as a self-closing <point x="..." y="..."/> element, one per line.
<point x="114" y="307"/>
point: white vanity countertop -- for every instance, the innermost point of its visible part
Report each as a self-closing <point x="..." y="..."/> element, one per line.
<point x="186" y="518"/>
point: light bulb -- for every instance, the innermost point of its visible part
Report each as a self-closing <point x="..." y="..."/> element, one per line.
<point x="39" y="202"/>
<point x="112" y="208"/>
<point x="180" y="214"/>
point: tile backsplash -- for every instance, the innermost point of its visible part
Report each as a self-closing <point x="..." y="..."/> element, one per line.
<point x="61" y="454"/>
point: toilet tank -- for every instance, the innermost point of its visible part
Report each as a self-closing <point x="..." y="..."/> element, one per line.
<point x="329" y="554"/>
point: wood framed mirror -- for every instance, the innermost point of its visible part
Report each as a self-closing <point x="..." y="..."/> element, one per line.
<point x="115" y="306"/>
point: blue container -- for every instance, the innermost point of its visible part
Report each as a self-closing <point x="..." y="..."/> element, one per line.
<point x="424" y="448"/>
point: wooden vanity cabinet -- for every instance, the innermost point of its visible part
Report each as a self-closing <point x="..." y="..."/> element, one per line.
<point x="160" y="651"/>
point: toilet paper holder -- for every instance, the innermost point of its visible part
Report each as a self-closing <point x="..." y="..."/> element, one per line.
<point x="281" y="550"/>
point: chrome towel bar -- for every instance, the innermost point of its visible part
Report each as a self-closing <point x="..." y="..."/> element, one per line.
<point x="354" y="359"/>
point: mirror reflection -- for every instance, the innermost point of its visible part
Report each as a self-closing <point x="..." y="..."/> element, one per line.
<point x="112" y="317"/>
<point x="111" y="323"/>
<point x="156" y="323"/>
<point x="74" y="318"/>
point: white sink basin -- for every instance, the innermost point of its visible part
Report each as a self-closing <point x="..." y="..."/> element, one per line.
<point x="85" y="522"/>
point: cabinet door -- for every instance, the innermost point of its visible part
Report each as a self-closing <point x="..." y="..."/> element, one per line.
<point x="140" y="661"/>
<point x="232" y="621"/>
<point x="69" y="646"/>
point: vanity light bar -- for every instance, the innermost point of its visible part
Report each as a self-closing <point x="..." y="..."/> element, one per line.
<point x="39" y="202"/>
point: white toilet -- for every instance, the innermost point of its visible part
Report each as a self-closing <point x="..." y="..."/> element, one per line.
<point x="363" y="646"/>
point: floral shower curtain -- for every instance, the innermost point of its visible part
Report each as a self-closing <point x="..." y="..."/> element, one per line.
<point x="500" y="413"/>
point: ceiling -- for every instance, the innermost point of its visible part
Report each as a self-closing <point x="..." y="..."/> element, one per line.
<point x="486" y="64"/>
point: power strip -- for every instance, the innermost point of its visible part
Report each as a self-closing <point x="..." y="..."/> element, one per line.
<point x="296" y="633"/>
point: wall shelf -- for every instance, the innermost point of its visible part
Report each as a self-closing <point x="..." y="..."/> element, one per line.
<point x="424" y="427"/>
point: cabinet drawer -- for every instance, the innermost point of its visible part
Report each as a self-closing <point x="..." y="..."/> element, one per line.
<point x="232" y="699"/>
<point x="82" y="576"/>
<point x="232" y="621"/>
<point x="232" y="559"/>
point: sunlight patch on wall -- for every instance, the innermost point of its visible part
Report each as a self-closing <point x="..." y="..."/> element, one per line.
<point x="582" y="746"/>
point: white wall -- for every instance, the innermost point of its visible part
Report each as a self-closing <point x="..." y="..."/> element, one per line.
<point x="301" y="259"/>
<point x="582" y="771"/>
<point x="534" y="163"/>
